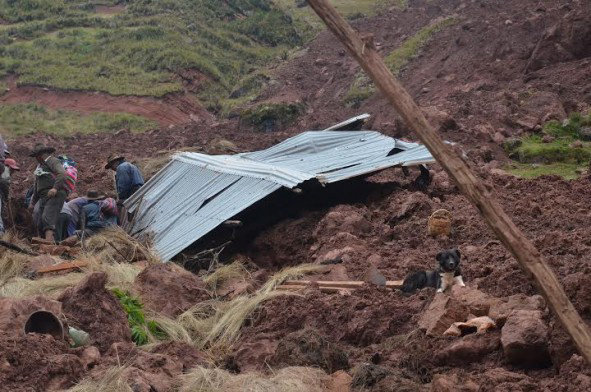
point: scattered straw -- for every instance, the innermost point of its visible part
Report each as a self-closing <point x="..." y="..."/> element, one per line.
<point x="11" y="265"/>
<point x="112" y="380"/>
<point x="290" y="273"/>
<point x="115" y="245"/>
<point x="215" y="325"/>
<point x="289" y="379"/>
<point x="225" y="273"/>
<point x="51" y="286"/>
<point x="120" y="275"/>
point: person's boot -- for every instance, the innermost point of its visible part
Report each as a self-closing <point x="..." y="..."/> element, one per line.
<point x="49" y="235"/>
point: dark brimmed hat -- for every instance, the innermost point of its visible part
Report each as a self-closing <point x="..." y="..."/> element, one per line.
<point x="40" y="148"/>
<point x="113" y="158"/>
<point x="94" y="195"/>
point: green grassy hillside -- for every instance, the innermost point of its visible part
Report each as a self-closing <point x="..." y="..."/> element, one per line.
<point x="140" y="51"/>
<point x="218" y="50"/>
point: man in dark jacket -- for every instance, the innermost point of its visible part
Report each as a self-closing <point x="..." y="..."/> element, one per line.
<point x="128" y="178"/>
<point x="50" y="189"/>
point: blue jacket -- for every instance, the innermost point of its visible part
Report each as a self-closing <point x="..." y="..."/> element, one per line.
<point x="94" y="217"/>
<point x="128" y="179"/>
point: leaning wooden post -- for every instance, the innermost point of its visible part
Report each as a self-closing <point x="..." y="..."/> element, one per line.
<point x="524" y="251"/>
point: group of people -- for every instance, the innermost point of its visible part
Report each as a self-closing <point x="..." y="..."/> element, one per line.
<point x="58" y="212"/>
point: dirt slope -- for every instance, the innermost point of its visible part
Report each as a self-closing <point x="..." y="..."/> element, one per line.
<point x="173" y="109"/>
<point x="502" y="68"/>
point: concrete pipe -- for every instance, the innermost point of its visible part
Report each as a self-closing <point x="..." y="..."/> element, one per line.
<point x="44" y="322"/>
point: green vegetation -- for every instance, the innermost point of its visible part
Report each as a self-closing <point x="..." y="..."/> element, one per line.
<point x="565" y="149"/>
<point x="269" y="116"/>
<point x="19" y="119"/>
<point x="568" y="171"/>
<point x="141" y="330"/>
<point x="566" y="142"/>
<point x="362" y="87"/>
<point x="64" y="44"/>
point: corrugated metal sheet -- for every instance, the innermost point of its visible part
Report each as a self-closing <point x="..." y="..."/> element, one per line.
<point x="195" y="193"/>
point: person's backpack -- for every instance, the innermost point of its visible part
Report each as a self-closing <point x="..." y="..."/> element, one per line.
<point x="71" y="168"/>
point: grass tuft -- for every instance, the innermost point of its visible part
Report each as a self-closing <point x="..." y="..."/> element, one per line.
<point x="568" y="171"/>
<point x="225" y="273"/>
<point x="215" y="325"/>
<point x="114" y="245"/>
<point x="289" y="379"/>
<point x="112" y="380"/>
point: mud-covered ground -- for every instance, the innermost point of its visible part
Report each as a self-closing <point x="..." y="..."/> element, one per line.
<point x="502" y="69"/>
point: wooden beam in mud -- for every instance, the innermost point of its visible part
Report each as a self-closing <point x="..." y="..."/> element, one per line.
<point x="62" y="267"/>
<point x="530" y="259"/>
<point x="392" y="284"/>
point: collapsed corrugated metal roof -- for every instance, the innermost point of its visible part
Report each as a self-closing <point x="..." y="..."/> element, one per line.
<point x="195" y="193"/>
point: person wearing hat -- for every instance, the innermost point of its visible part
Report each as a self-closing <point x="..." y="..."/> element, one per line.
<point x="10" y="166"/>
<point x="50" y="190"/>
<point x="128" y="178"/>
<point x="69" y="218"/>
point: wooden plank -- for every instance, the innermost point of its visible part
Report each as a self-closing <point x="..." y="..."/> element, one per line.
<point x="63" y="267"/>
<point x="342" y="284"/>
<point x="323" y="289"/>
<point x="514" y="240"/>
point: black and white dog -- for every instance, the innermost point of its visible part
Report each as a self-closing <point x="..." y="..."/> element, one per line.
<point x="446" y="275"/>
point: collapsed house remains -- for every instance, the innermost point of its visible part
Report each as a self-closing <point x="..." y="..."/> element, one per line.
<point x="195" y="193"/>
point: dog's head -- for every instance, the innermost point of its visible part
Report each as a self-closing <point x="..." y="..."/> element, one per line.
<point x="449" y="260"/>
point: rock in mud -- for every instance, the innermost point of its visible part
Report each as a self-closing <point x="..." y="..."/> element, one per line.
<point x="254" y="356"/>
<point x="500" y="310"/>
<point x="308" y="348"/>
<point x="90" y="357"/>
<point x="439" y="119"/>
<point x="169" y="289"/>
<point x="443" y="311"/>
<point x="469" y="349"/>
<point x="187" y="355"/>
<point x="343" y="219"/>
<point x="477" y="325"/>
<point x="91" y="308"/>
<point x="525" y="339"/>
<point x="453" y="383"/>
<point x="477" y="302"/>
<point x="340" y="382"/>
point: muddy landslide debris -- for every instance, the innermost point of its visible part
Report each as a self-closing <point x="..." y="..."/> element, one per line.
<point x="169" y="289"/>
<point x="525" y="339"/>
<point x="91" y="308"/>
<point x="308" y="348"/>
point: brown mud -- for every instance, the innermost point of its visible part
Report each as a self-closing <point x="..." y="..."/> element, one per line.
<point x="502" y="69"/>
<point x="173" y="109"/>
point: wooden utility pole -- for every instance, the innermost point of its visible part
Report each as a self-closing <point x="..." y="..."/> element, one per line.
<point x="524" y="251"/>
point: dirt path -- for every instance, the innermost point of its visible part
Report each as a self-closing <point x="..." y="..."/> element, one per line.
<point x="173" y="109"/>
